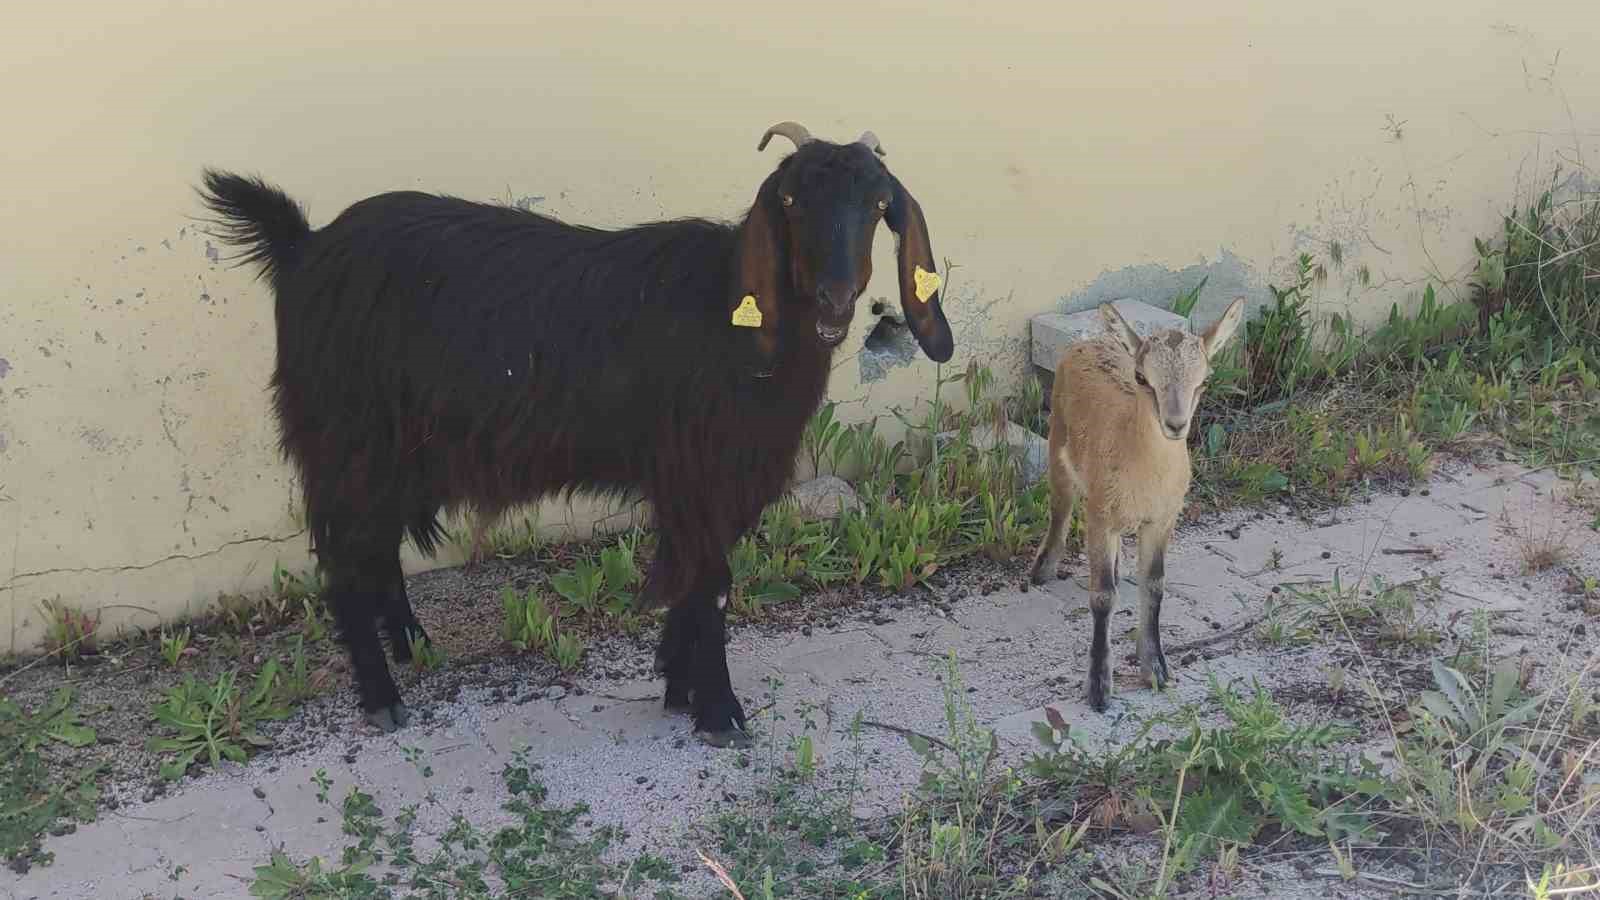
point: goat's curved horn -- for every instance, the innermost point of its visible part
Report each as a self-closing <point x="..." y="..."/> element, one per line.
<point x="794" y="131"/>
<point x="870" y="140"/>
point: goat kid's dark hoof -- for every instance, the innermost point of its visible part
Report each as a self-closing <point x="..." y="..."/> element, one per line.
<point x="1098" y="695"/>
<point x="390" y="718"/>
<point x="1157" y="676"/>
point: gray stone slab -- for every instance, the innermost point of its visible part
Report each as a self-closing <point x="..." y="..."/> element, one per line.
<point x="1052" y="333"/>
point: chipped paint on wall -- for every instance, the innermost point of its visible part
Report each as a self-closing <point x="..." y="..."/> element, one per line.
<point x="1226" y="277"/>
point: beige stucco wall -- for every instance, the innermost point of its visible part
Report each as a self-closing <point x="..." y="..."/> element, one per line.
<point x="1063" y="152"/>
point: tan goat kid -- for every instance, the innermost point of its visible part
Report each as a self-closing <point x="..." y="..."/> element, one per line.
<point x="1119" y="422"/>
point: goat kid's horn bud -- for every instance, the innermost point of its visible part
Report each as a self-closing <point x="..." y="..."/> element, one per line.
<point x="870" y="141"/>
<point x="794" y="131"/>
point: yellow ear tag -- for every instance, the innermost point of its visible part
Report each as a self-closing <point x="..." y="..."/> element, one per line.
<point x="927" y="283"/>
<point x="747" y="315"/>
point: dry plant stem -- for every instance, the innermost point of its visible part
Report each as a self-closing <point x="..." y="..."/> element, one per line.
<point x="720" y="872"/>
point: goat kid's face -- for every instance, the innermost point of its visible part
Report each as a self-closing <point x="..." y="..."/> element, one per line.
<point x="809" y="238"/>
<point x="1171" y="366"/>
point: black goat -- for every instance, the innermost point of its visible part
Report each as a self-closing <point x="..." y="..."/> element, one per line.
<point x="435" y="353"/>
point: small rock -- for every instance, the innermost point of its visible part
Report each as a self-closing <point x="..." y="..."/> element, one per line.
<point x="260" y="828"/>
<point x="556" y="692"/>
<point x="1327" y="555"/>
<point x="1031" y="451"/>
<point x="824" y="498"/>
<point x="1216" y="626"/>
<point x="805" y="630"/>
<point x="260" y="794"/>
<point x="350" y="759"/>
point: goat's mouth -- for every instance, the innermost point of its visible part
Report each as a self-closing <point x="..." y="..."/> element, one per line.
<point x="1177" y="434"/>
<point x="832" y="335"/>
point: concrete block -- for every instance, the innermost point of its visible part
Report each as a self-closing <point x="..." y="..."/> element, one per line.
<point x="1053" y="333"/>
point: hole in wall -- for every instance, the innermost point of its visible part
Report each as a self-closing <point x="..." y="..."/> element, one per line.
<point x="888" y="344"/>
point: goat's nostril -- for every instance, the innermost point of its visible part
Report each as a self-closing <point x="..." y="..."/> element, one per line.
<point x="1175" y="425"/>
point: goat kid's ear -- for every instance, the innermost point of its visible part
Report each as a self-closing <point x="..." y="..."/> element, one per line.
<point x="919" y="279"/>
<point x="1120" y="329"/>
<point x="1216" y="337"/>
<point x="761" y="263"/>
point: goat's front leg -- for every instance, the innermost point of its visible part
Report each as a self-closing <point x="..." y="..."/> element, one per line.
<point x="1153" y="540"/>
<point x="718" y="715"/>
<point x="1103" y="546"/>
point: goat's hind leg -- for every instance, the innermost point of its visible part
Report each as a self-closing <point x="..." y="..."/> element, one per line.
<point x="675" y="655"/>
<point x="358" y="588"/>
<point x="1048" y="559"/>
<point x="399" y="621"/>
<point x="1104" y="547"/>
<point x="679" y="632"/>
<point x="1153" y="540"/>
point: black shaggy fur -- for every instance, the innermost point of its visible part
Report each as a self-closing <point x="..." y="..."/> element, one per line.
<point x="435" y="353"/>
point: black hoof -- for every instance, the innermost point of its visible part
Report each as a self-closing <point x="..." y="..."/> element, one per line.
<point x="677" y="698"/>
<point x="390" y="718"/>
<point x="719" y="717"/>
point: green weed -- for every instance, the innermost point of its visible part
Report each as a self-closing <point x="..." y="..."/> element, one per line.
<point x="35" y="797"/>
<point x="174" y="646"/>
<point x="214" y="721"/>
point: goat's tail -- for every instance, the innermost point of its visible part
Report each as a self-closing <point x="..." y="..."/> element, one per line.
<point x="259" y="218"/>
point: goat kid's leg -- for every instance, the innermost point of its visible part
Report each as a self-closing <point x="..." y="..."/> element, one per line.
<point x="399" y="621"/>
<point x="357" y="593"/>
<point x="1153" y="540"/>
<point x="718" y="716"/>
<point x="1048" y="559"/>
<point x="1103" y="547"/>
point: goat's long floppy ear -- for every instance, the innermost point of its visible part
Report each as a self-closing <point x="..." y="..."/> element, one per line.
<point x="919" y="279"/>
<point x="760" y="266"/>
<point x="1222" y="329"/>
<point x="1121" y="330"/>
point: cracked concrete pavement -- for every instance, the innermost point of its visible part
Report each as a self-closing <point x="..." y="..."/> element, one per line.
<point x="614" y="748"/>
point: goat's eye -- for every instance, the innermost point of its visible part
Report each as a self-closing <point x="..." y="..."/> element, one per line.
<point x="883" y="205"/>
<point x="1139" y="377"/>
<point x="788" y="200"/>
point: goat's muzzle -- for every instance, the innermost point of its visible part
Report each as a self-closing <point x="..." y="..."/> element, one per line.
<point x="832" y="335"/>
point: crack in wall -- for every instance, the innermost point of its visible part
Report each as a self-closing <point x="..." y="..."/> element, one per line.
<point x="176" y="557"/>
